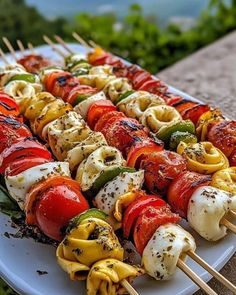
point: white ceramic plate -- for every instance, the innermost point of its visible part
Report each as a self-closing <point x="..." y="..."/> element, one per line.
<point x="21" y="258"/>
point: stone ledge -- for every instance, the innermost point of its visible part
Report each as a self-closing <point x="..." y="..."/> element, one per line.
<point x="210" y="75"/>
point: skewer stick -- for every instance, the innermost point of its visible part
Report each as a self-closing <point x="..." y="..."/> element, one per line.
<point x="232" y="213"/>
<point x="129" y="287"/>
<point x="195" y="278"/>
<point x="9" y="47"/>
<point x="228" y="224"/>
<point x="3" y="56"/>
<point x="212" y="271"/>
<point x="31" y="48"/>
<point x="80" y="40"/>
<point x="53" y="46"/>
<point x="93" y="44"/>
<point x="63" y="44"/>
<point x="20" y="45"/>
<point x="19" y="93"/>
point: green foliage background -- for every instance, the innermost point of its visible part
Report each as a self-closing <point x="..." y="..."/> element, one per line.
<point x="137" y="38"/>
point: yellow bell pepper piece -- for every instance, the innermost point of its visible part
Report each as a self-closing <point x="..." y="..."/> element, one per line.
<point x="225" y="179"/>
<point x="122" y="202"/>
<point x="205" y="120"/>
<point x="36" y="105"/>
<point x="50" y="112"/>
<point x="105" y="277"/>
<point x="203" y="157"/>
<point x="92" y="240"/>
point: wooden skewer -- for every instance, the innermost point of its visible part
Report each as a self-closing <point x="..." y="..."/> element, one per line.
<point x="3" y="57"/>
<point x="9" y="46"/>
<point x="93" y="44"/>
<point x="19" y="93"/>
<point x="80" y="39"/>
<point x="212" y="271"/>
<point x="63" y="44"/>
<point x="129" y="287"/>
<point x="228" y="224"/>
<point x="20" y="45"/>
<point x="54" y="47"/>
<point x="232" y="213"/>
<point x="31" y="48"/>
<point x="195" y="278"/>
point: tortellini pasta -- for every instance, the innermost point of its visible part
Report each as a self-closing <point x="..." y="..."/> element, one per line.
<point x="203" y="157"/>
<point x="21" y="90"/>
<point x="99" y="161"/>
<point x="66" y="132"/>
<point x="138" y="102"/>
<point x="90" y="241"/>
<point x="96" y="80"/>
<point x="116" y="87"/>
<point x="106" y="275"/>
<point x="101" y="70"/>
<point x="225" y="179"/>
<point x="84" y="148"/>
<point x="9" y="71"/>
<point x="154" y="118"/>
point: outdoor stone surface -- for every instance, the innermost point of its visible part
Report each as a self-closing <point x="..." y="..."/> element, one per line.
<point x="210" y="75"/>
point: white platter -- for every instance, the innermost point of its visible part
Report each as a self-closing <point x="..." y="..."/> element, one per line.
<point x="21" y="258"/>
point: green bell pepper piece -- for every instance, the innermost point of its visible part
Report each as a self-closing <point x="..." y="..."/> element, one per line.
<point x="81" y="71"/>
<point x="124" y="95"/>
<point x="107" y="176"/>
<point x="183" y="126"/>
<point x="24" y="77"/>
<point x="80" y="98"/>
<point x="179" y="136"/>
<point x="93" y="212"/>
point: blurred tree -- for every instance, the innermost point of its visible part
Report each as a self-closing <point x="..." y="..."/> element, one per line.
<point x="18" y="21"/>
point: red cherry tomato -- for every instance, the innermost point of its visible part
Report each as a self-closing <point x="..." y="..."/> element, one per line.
<point x="223" y="136"/>
<point x="107" y="119"/>
<point x="171" y="99"/>
<point x="64" y="84"/>
<point x="232" y="159"/>
<point x="34" y="63"/>
<point x="142" y="148"/>
<point x="135" y="209"/>
<point x="149" y="221"/>
<point x="11" y="131"/>
<point x="160" y="169"/>
<point x="154" y="86"/>
<point x="8" y="106"/>
<point x="25" y="148"/>
<point x="132" y="70"/>
<point x="78" y="91"/>
<point x="97" y="109"/>
<point x="182" y="188"/>
<point x="123" y="133"/>
<point x="52" y="203"/>
<point x="99" y="60"/>
<point x="21" y="165"/>
<point x="113" y="61"/>
<point x="140" y="78"/>
<point x="184" y="105"/>
<point x="195" y="112"/>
